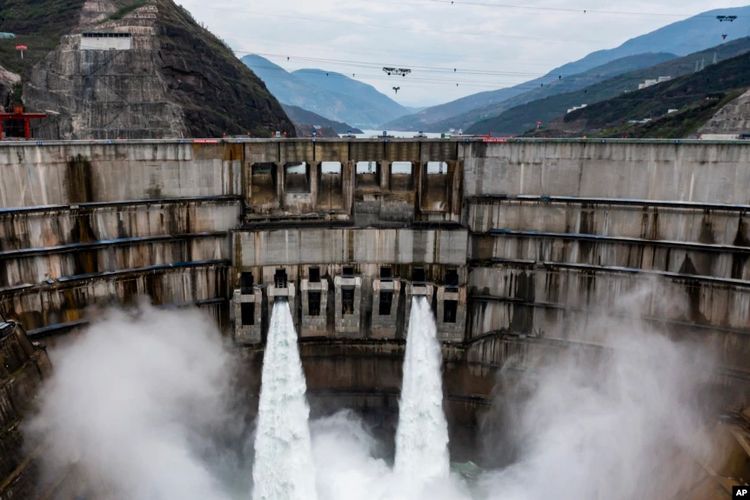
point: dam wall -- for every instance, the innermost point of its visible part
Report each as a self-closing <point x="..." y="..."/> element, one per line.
<point x="84" y="225"/>
<point x="520" y="246"/>
<point x="563" y="232"/>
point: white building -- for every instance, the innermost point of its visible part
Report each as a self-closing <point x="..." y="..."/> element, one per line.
<point x="574" y="108"/>
<point x="653" y="81"/>
<point x="106" y="41"/>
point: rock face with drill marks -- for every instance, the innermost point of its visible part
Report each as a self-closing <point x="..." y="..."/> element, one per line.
<point x="733" y="118"/>
<point x="8" y="80"/>
<point x="146" y="69"/>
<point x="22" y="368"/>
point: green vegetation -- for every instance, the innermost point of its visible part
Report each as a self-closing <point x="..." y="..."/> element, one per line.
<point x="695" y="97"/>
<point x="15" y="95"/>
<point x="39" y="24"/>
<point x="676" y="125"/>
<point x="126" y="9"/>
<point x="218" y="94"/>
<point x="514" y="123"/>
<point x="524" y="117"/>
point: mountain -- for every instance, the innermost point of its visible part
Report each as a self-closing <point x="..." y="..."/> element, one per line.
<point x="332" y="95"/>
<point x="306" y="121"/>
<point x="9" y="82"/>
<point x="162" y="75"/>
<point x="38" y="25"/>
<point x="439" y="118"/>
<point x="673" y="109"/>
<point x="524" y="117"/>
<point x="218" y="95"/>
<point x="680" y="38"/>
<point x="556" y="86"/>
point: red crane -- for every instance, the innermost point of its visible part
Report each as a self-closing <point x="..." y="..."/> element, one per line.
<point x="19" y="114"/>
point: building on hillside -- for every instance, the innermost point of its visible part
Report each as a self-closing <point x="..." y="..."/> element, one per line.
<point x="575" y="108"/>
<point x="648" y="82"/>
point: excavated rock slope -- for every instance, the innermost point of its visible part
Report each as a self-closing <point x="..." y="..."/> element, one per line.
<point x="164" y="77"/>
<point x="733" y="118"/>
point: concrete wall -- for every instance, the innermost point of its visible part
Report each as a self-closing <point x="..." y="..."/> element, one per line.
<point x="713" y="224"/>
<point x="54" y="226"/>
<point x="63" y="303"/>
<point x="386" y="195"/>
<point x="535" y="241"/>
<point x="524" y="224"/>
<point x="648" y="170"/>
<point x="331" y="245"/>
<point x="90" y="224"/>
<point x="565" y="231"/>
<point x="104" y="42"/>
<point x="72" y="173"/>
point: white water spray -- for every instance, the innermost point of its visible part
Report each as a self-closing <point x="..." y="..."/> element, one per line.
<point x="422" y="434"/>
<point x="283" y="468"/>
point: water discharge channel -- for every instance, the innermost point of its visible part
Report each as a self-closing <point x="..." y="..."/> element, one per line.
<point x="422" y="433"/>
<point x="283" y="468"/>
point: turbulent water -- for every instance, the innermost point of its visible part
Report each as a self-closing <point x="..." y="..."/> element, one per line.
<point x="422" y="434"/>
<point x="283" y="468"/>
<point x="143" y="389"/>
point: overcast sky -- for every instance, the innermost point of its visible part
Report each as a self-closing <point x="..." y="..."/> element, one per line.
<point x="358" y="37"/>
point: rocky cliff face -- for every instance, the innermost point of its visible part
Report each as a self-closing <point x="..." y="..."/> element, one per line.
<point x="216" y="91"/>
<point x="22" y="369"/>
<point x="145" y="69"/>
<point x="733" y="118"/>
<point x="8" y="82"/>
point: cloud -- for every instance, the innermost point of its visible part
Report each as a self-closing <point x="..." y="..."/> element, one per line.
<point x="428" y="33"/>
<point x="141" y="406"/>
<point x="626" y="423"/>
<point x="134" y="405"/>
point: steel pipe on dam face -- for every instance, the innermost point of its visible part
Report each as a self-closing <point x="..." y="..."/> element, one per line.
<point x="518" y="246"/>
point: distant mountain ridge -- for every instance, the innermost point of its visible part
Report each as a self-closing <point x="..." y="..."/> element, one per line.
<point x="326" y="93"/>
<point x="305" y="122"/>
<point x="521" y="118"/>
<point x="690" y="35"/>
<point x="556" y="86"/>
<point x="673" y="109"/>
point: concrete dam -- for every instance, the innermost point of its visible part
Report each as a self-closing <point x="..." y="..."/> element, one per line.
<point x="520" y="247"/>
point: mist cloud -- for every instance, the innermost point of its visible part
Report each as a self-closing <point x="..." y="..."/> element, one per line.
<point x="132" y="404"/>
<point x="623" y="424"/>
<point x="141" y="407"/>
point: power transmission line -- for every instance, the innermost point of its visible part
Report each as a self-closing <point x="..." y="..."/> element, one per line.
<point x="569" y="10"/>
<point x="494" y="84"/>
<point x="379" y="65"/>
<point x="463" y="83"/>
<point x="465" y="33"/>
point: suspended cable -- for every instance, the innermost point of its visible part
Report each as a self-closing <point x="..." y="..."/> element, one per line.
<point x="571" y="10"/>
<point x="402" y="29"/>
<point x="380" y="65"/>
